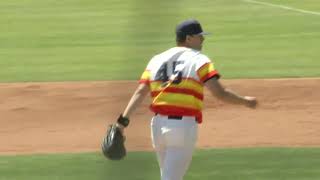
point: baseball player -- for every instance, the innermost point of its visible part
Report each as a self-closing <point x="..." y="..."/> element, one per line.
<point x="175" y="80"/>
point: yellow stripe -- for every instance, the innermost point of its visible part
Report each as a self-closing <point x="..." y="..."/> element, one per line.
<point x="145" y="75"/>
<point x="186" y="84"/>
<point x="155" y="86"/>
<point x="206" y="70"/>
<point x="180" y="100"/>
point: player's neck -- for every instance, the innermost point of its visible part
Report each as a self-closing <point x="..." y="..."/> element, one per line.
<point x="186" y="45"/>
<point x="183" y="45"/>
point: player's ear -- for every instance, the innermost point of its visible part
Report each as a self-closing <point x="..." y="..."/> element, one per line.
<point x="188" y="38"/>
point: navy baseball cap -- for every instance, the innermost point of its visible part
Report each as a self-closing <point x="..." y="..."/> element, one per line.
<point x="189" y="27"/>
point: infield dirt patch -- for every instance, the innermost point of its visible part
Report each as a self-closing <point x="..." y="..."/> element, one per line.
<point x="73" y="116"/>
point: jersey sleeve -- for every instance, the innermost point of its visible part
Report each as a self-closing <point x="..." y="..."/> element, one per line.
<point x="206" y="69"/>
<point x="146" y="75"/>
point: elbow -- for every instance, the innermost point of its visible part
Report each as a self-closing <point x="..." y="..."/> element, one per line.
<point x="142" y="93"/>
<point x="220" y="94"/>
<point x="143" y="90"/>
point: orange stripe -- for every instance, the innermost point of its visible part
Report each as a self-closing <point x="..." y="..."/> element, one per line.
<point x="205" y="70"/>
<point x="179" y="91"/>
<point x="180" y="100"/>
<point x="193" y="80"/>
<point x="183" y="79"/>
<point x="203" y="66"/>
<point x="186" y="83"/>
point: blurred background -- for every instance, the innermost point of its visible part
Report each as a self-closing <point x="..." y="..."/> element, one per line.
<point x="67" y="40"/>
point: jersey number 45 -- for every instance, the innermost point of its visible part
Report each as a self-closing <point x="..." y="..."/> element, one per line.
<point x="167" y="73"/>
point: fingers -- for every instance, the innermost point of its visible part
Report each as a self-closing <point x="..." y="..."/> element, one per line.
<point x="251" y="102"/>
<point x="121" y="127"/>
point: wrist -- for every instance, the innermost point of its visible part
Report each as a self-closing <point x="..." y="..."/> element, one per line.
<point x="120" y="126"/>
<point x="123" y="121"/>
<point x="246" y="102"/>
<point x="250" y="101"/>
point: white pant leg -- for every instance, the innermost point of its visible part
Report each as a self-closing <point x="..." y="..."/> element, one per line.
<point x="176" y="164"/>
<point x="157" y="141"/>
<point x="174" y="142"/>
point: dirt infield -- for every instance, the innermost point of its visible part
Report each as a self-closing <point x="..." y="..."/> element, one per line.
<point x="72" y="117"/>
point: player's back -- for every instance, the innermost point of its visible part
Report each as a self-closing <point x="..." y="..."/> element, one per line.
<point x="179" y="61"/>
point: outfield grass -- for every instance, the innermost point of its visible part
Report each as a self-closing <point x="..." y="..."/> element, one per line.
<point x="220" y="164"/>
<point x="113" y="40"/>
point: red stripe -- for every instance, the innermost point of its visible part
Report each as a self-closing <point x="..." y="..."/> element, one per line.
<point x="210" y="75"/>
<point x="155" y="93"/>
<point x="144" y="81"/>
<point x="179" y="91"/>
<point x="177" y="111"/>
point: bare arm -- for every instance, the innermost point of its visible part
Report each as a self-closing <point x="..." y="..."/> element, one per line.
<point x="229" y="96"/>
<point x="136" y="99"/>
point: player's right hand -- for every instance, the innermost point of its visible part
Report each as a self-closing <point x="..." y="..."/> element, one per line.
<point x="251" y="102"/>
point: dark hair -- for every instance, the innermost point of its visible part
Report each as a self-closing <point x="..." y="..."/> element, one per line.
<point x="187" y="27"/>
<point x="181" y="38"/>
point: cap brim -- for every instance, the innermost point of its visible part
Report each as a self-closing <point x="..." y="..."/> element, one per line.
<point x="204" y="33"/>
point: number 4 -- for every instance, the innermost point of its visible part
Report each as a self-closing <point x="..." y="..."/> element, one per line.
<point x="162" y="74"/>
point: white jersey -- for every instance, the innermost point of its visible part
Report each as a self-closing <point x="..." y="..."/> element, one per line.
<point x="176" y="79"/>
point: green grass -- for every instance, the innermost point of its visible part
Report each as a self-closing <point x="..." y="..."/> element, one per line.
<point x="222" y="164"/>
<point x="82" y="40"/>
<point x="113" y="40"/>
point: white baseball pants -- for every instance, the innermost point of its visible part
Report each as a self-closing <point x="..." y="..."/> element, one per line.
<point x="174" y="141"/>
